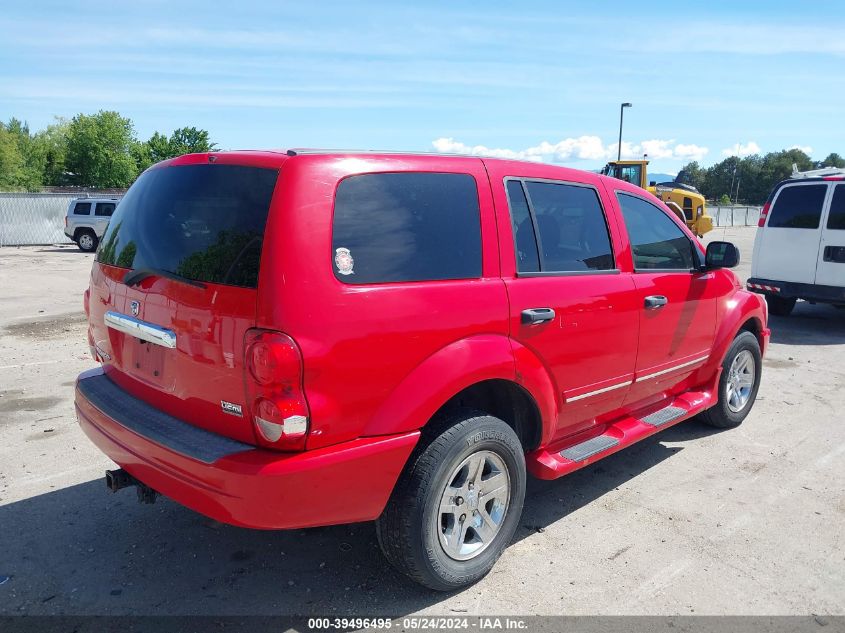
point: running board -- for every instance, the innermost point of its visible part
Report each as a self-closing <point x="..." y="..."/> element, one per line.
<point x="592" y="446"/>
<point x="551" y="462"/>
<point x="664" y="416"/>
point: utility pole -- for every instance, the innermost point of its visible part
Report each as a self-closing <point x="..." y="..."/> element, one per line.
<point x="621" y="116"/>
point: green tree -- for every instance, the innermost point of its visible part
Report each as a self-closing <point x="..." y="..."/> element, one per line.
<point x="99" y="150"/>
<point x="833" y="160"/>
<point x="11" y="161"/>
<point x="27" y="173"/>
<point x="188" y="140"/>
<point x="724" y="199"/>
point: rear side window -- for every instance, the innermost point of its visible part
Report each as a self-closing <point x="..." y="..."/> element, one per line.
<point x="104" y="209"/>
<point x="566" y="221"/>
<point x="527" y="256"/>
<point x="798" y="207"/>
<point x="407" y="226"/>
<point x="82" y="208"/>
<point x="203" y="222"/>
<point x="656" y="241"/>
<point x="836" y="219"/>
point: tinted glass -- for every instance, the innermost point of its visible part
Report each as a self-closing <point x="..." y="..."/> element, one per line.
<point x="527" y="257"/>
<point x="656" y="241"/>
<point x="570" y="221"/>
<point x="798" y="207"/>
<point x="82" y="208"/>
<point x="203" y="222"/>
<point x="104" y="208"/>
<point x="836" y="219"/>
<point x="406" y="227"/>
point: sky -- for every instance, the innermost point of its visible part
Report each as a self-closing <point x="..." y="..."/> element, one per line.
<point x="536" y="80"/>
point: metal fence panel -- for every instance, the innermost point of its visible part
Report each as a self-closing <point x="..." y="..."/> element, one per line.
<point x="33" y="218"/>
<point x="734" y="215"/>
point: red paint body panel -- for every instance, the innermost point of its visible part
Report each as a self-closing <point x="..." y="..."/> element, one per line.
<point x="378" y="360"/>
<point x="260" y="488"/>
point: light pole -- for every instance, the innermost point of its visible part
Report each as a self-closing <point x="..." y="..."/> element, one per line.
<point x="621" y="116"/>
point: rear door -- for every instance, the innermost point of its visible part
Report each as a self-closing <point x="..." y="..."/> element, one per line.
<point x="788" y="245"/>
<point x="191" y="236"/>
<point x="570" y="304"/>
<point x="831" y="264"/>
<point x="677" y="304"/>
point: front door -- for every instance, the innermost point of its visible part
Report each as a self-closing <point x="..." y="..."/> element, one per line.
<point x="677" y="305"/>
<point x="831" y="263"/>
<point x="569" y="303"/>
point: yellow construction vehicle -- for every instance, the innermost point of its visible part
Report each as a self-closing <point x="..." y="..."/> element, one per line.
<point x="684" y="199"/>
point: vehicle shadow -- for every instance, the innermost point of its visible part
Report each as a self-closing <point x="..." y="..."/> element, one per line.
<point x="69" y="248"/>
<point x="83" y="550"/>
<point x="809" y="325"/>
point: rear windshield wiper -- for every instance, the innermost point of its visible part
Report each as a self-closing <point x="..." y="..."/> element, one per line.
<point x="139" y="274"/>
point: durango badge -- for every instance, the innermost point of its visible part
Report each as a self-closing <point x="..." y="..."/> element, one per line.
<point x="344" y="262"/>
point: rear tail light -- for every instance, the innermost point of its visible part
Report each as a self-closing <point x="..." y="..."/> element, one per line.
<point x="763" y="214"/>
<point x="273" y="367"/>
<point x="65" y="221"/>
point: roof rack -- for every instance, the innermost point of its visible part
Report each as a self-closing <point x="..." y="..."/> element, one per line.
<point x="817" y="173"/>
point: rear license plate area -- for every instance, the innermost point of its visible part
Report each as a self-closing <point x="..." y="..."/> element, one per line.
<point x="149" y="363"/>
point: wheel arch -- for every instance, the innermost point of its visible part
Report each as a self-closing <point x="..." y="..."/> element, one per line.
<point x="480" y="372"/>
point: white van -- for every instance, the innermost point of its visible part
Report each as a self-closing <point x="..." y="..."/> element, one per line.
<point x="799" y="250"/>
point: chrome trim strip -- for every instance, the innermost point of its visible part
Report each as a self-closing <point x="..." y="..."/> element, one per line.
<point x="140" y="329"/>
<point x="671" y="369"/>
<point x="598" y="391"/>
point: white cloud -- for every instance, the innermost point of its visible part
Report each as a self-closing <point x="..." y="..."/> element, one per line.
<point x="581" y="148"/>
<point x="804" y="148"/>
<point x="740" y="150"/>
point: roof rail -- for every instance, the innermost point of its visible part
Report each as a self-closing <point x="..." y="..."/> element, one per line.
<point x="817" y="173"/>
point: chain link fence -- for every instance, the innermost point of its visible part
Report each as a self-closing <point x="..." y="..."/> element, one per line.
<point x="36" y="218"/>
<point x="734" y="215"/>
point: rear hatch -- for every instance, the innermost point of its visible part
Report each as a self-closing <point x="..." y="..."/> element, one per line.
<point x="180" y="260"/>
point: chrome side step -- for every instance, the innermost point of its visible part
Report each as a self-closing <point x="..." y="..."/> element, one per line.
<point x="663" y="416"/>
<point x="594" y="445"/>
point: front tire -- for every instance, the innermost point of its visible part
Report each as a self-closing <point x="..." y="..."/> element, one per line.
<point x="738" y="384"/>
<point x="457" y="504"/>
<point x="780" y="306"/>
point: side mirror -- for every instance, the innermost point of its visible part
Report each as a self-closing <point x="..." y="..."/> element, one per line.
<point x="721" y="255"/>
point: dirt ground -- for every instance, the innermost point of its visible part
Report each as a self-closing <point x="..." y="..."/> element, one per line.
<point x="745" y="521"/>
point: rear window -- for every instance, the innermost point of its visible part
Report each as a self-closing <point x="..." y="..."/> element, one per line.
<point x="836" y="219"/>
<point x="406" y="227"/>
<point x="798" y="207"/>
<point x="203" y="222"/>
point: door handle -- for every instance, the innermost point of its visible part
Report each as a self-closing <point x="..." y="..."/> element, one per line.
<point x="537" y="315"/>
<point x="653" y="302"/>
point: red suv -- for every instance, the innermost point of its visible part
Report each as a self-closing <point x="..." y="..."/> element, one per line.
<point x="309" y="338"/>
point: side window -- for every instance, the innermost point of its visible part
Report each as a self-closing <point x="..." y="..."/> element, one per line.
<point x="104" y="208"/>
<point x="569" y="223"/>
<point x="798" y="207"/>
<point x="836" y="219"/>
<point x="409" y="226"/>
<point x="527" y="257"/>
<point x="82" y="208"/>
<point x="656" y="241"/>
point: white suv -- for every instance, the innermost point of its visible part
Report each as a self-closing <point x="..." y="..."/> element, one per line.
<point x="86" y="220"/>
<point x="799" y="250"/>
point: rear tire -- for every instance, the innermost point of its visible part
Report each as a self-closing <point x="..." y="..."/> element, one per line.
<point x="743" y="364"/>
<point x="87" y="241"/>
<point x="458" y="502"/>
<point x="780" y="306"/>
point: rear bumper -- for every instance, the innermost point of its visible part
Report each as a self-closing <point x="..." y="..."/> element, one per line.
<point x="243" y="485"/>
<point x="792" y="290"/>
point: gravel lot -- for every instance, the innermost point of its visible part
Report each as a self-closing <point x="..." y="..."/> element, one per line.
<point x="746" y="521"/>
